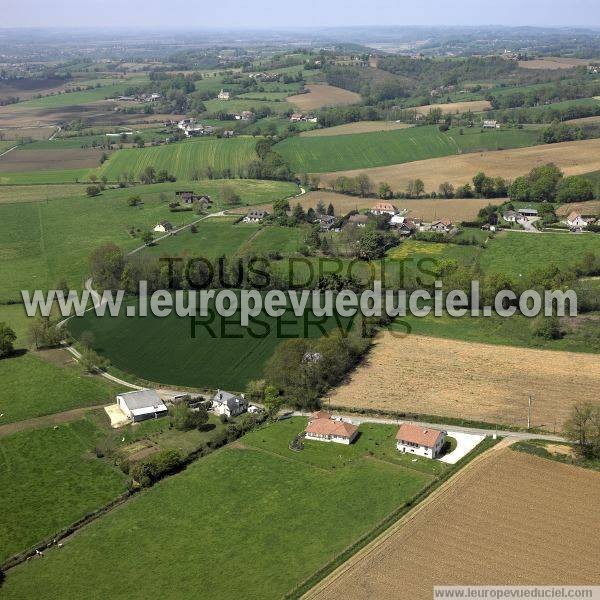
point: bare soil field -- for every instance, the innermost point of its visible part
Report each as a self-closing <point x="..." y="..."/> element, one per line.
<point x="45" y="160"/>
<point x="553" y="63"/>
<point x="455" y="209"/>
<point x="16" y="115"/>
<point x="39" y="193"/>
<point x="454" y="108"/>
<point x="591" y="207"/>
<point x="323" y="95"/>
<point x="35" y="133"/>
<point x="501" y="521"/>
<point x="358" y="127"/>
<point x="574" y="158"/>
<point x="473" y="381"/>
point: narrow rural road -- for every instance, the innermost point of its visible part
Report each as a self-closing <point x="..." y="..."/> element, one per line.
<point x="221" y="213"/>
<point x="9" y="150"/>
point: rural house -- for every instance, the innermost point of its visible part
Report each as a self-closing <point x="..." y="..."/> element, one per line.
<point x="511" y="216"/>
<point x="224" y="403"/>
<point x="141" y="405"/>
<point x="327" y="222"/>
<point x="163" y="227"/>
<point x="384" y="208"/>
<point x="490" y="124"/>
<point x="406" y="228"/>
<point x="223" y="95"/>
<point x="578" y="222"/>
<point x="255" y="216"/>
<point x="528" y="213"/>
<point x="423" y="441"/>
<point x="442" y="226"/>
<point x="323" y="428"/>
<point x="359" y="220"/>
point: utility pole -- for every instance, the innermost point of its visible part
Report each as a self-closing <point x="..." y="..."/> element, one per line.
<point x="529" y="413"/>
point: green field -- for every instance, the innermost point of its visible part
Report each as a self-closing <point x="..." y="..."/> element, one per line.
<point x="517" y="254"/>
<point x="45" y="177"/>
<point x="183" y="159"/>
<point x="321" y="154"/>
<point x="41" y="242"/>
<point x="33" y="387"/>
<point x="5" y="145"/>
<point x="281" y="516"/>
<point x="236" y="105"/>
<point x="49" y="479"/>
<point x="223" y="354"/>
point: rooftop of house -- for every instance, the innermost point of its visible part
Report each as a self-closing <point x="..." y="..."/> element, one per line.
<point x="142" y="399"/>
<point x="326" y="426"/>
<point x="415" y="434"/>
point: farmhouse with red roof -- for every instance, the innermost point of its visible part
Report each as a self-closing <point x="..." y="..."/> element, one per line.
<point x="423" y="441"/>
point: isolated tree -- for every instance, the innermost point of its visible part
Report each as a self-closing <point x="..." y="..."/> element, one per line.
<point x="385" y="191"/>
<point x="230" y="196"/>
<point x="583" y="428"/>
<point x="92" y="190"/>
<point x="446" y="190"/>
<point x="419" y="187"/>
<point x="330" y="210"/>
<point x="7" y="340"/>
<point x="147" y="237"/>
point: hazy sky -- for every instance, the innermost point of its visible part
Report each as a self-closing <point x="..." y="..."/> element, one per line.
<point x="273" y="13"/>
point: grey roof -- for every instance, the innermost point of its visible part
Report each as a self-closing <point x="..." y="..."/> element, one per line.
<point x="141" y="399"/>
<point x="231" y="400"/>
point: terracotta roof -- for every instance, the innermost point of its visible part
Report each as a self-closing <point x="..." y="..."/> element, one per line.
<point x="384" y="206"/>
<point x="423" y="436"/>
<point x="574" y="215"/>
<point x="329" y="427"/>
<point x="320" y="414"/>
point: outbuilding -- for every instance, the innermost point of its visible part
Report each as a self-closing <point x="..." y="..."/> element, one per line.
<point x="141" y="405"/>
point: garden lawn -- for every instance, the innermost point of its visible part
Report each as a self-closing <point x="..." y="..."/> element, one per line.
<point x="32" y="387"/>
<point x="380" y="148"/>
<point x="279" y="519"/>
<point x="184" y="160"/>
<point x="49" y="479"/>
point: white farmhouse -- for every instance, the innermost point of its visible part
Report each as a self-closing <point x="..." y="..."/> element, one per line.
<point x="163" y="227"/>
<point x="141" y="405"/>
<point x="255" y="216"/>
<point x="576" y="221"/>
<point x="384" y="208"/>
<point x="223" y="95"/>
<point x="230" y="405"/>
<point x="422" y="441"/>
<point x="323" y="428"/>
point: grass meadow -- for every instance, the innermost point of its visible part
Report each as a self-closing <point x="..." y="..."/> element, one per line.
<point x="281" y="515"/>
<point x="42" y="242"/>
<point x="33" y="387"/>
<point x="58" y="176"/>
<point x="184" y="159"/>
<point x="322" y="154"/>
<point x="49" y="479"/>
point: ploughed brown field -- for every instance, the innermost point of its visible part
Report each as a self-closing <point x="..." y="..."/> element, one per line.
<point x="358" y="127"/>
<point x="35" y="133"/>
<point x="503" y="520"/>
<point x="323" y="95"/>
<point x="44" y="160"/>
<point x="478" y="382"/>
<point x="553" y="63"/>
<point x="18" y="115"/>
<point x="455" y="209"/>
<point x="453" y="108"/>
<point x="575" y="158"/>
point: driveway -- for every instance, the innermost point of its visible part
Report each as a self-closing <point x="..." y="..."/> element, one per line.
<point x="465" y="442"/>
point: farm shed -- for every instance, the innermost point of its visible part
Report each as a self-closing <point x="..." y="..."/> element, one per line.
<point x="423" y="441"/>
<point x="141" y="405"/>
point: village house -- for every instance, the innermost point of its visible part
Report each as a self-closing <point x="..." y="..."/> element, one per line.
<point x="141" y="405"/>
<point x="359" y="220"/>
<point x="384" y="208"/>
<point x="294" y="117"/>
<point x="422" y="441"/>
<point x="230" y="405"/>
<point x="511" y="216"/>
<point x="491" y="124"/>
<point x="442" y="226"/>
<point x="322" y="427"/>
<point x="255" y="216"/>
<point x="577" y="222"/>
<point x="223" y="95"/>
<point x="327" y="222"/>
<point x="163" y="227"/>
<point x="406" y="228"/>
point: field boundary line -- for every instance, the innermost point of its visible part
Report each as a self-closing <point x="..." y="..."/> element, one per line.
<point x="430" y="498"/>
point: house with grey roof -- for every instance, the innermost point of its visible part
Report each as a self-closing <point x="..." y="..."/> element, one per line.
<point x="141" y="405"/>
<point x="230" y="405"/>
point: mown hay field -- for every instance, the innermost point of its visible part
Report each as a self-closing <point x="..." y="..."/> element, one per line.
<point x="502" y="521"/>
<point x="273" y="493"/>
<point x="473" y="381"/>
<point x="185" y="160"/>
<point x="321" y="95"/>
<point x="553" y="63"/>
<point x="364" y="150"/>
<point x="454" y="108"/>
<point x="358" y="127"/>
<point x="591" y="207"/>
<point x="575" y="158"/>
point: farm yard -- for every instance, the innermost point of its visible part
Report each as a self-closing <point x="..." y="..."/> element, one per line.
<point x="365" y="150"/>
<point x="469" y="380"/>
<point x="512" y="498"/>
<point x="321" y="95"/>
<point x="574" y="158"/>
<point x="185" y="160"/>
<point x="264" y="484"/>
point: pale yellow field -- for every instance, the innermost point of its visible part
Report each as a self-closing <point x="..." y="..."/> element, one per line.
<point x="508" y="518"/>
<point x="454" y="108"/>
<point x="553" y="63"/>
<point x="323" y="95"/>
<point x="575" y="158"/>
<point x="38" y="193"/>
<point x="358" y="127"/>
<point x="474" y="381"/>
<point x="592" y="207"/>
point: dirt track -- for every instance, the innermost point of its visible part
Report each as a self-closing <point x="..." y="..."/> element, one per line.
<point x="575" y="158"/>
<point x="479" y="382"/>
<point x="500" y="521"/>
